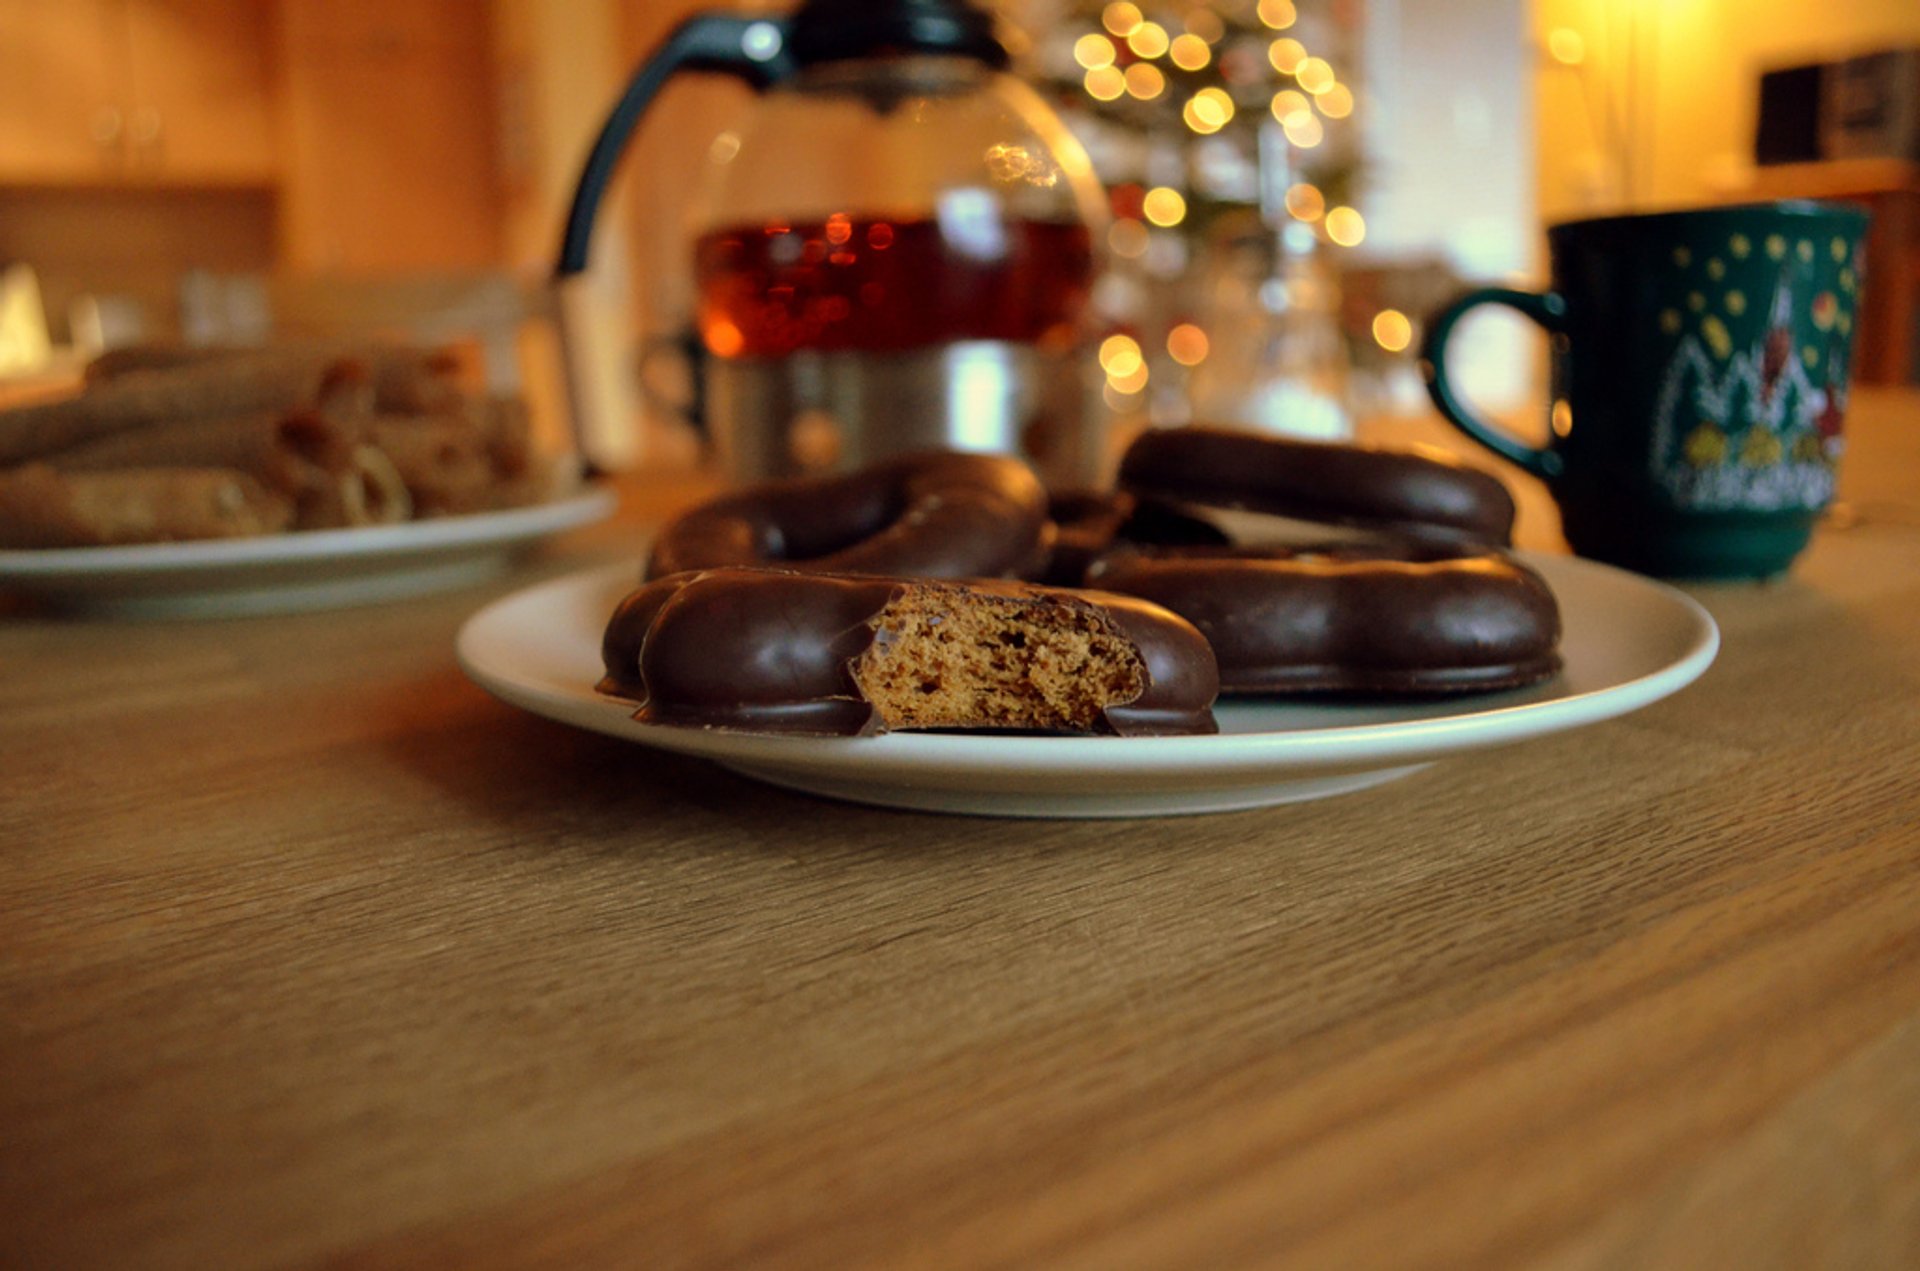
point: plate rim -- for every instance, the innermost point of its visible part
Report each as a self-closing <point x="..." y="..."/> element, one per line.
<point x="472" y="530"/>
<point x="1228" y="752"/>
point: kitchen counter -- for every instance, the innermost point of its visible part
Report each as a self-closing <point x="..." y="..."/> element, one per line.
<point x="311" y="952"/>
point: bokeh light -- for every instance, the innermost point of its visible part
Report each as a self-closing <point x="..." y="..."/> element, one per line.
<point x="1336" y="102"/>
<point x="1120" y="355"/>
<point x="1149" y="39"/>
<point x="1106" y="84"/>
<point x="1305" y="202"/>
<point x="1314" y="74"/>
<point x="1165" y="206"/>
<point x="1304" y="130"/>
<point x="1346" y="226"/>
<point x="1565" y="46"/>
<point x="1206" y="24"/>
<point x="1145" y="81"/>
<point x="1392" y="330"/>
<point x="1203" y="119"/>
<point x="1128" y="238"/>
<point x="1187" y="344"/>
<point x="1189" y="52"/>
<point x="1277" y="14"/>
<point x="1121" y="19"/>
<point x="1286" y="54"/>
<point x="1289" y="102"/>
<point x="1093" y="51"/>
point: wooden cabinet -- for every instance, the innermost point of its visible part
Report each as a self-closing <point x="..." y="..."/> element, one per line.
<point x="372" y="124"/>
<point x="202" y="78"/>
<point x="115" y="91"/>
<point x="62" y="109"/>
<point x="390" y="136"/>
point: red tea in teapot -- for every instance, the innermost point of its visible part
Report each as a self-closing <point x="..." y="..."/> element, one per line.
<point x="877" y="286"/>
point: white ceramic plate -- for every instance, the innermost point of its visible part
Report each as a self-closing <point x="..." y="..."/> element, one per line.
<point x="318" y="569"/>
<point x="1628" y="642"/>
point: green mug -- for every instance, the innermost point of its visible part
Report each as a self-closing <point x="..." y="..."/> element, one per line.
<point x="1699" y="382"/>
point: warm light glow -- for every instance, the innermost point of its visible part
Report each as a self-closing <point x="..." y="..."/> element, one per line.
<point x="1164" y="206"/>
<point x="1290" y="102"/>
<point x="1391" y="330"/>
<point x="1305" y="202"/>
<point x="1145" y="81"/>
<point x="1314" y="74"/>
<point x="1209" y="110"/>
<point x="1205" y="122"/>
<point x="1106" y="84"/>
<point x="1149" y="39"/>
<point x="1336" y="102"/>
<point x="1128" y="238"/>
<point x="1286" y="54"/>
<point x="1304" y="131"/>
<point x="1565" y="46"/>
<point x="1278" y="14"/>
<point x="1093" y="51"/>
<point x="1131" y="382"/>
<point x="1121" y="19"/>
<point x="1206" y="24"/>
<point x="1346" y="227"/>
<point x="1120" y="355"/>
<point x="1190" y="52"/>
<point x="1187" y="344"/>
<point x="723" y="338"/>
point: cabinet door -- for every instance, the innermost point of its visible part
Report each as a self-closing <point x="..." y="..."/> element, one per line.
<point x="61" y="114"/>
<point x="391" y="160"/>
<point x="200" y="90"/>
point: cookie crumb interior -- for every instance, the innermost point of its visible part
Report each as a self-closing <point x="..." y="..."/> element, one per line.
<point x="941" y="660"/>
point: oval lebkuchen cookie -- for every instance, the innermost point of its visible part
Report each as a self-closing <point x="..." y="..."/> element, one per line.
<point x="1367" y="619"/>
<point x="934" y="514"/>
<point x="1423" y="494"/>
<point x="778" y="651"/>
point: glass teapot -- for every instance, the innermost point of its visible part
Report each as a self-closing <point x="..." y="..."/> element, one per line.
<point x="893" y="253"/>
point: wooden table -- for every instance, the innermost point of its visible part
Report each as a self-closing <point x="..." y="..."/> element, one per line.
<point x="312" y="953"/>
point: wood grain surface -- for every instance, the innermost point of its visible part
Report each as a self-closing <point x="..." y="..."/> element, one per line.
<point x="311" y="953"/>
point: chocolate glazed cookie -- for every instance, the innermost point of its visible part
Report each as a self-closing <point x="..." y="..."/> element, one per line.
<point x="1354" y="618"/>
<point x="928" y="515"/>
<point x="775" y="651"/>
<point x="1421" y="494"/>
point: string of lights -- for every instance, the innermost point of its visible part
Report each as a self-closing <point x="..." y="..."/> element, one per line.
<point x="1214" y="72"/>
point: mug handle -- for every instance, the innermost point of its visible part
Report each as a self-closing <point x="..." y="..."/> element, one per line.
<point x="1545" y="308"/>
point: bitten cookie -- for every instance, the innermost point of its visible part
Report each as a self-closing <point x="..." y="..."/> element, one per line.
<point x="777" y="651"/>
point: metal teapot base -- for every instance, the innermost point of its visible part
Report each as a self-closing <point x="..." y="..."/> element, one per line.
<point x="815" y="412"/>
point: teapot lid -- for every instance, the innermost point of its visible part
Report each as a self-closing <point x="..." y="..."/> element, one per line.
<point x="835" y="30"/>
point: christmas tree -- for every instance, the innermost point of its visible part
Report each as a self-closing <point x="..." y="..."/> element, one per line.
<point x="1224" y="132"/>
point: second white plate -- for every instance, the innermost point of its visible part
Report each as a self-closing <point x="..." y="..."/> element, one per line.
<point x="1628" y="642"/>
<point x="314" y="569"/>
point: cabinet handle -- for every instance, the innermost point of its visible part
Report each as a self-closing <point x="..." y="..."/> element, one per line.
<point x="106" y="126"/>
<point x="144" y="128"/>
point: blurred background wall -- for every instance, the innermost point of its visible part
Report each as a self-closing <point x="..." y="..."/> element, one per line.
<point x="1660" y="110"/>
<point x="159" y="158"/>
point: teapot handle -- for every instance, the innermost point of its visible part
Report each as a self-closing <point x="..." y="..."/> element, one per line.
<point x="754" y="48"/>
